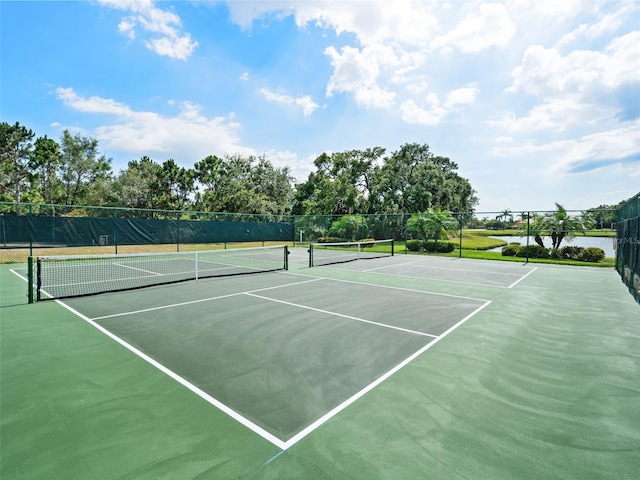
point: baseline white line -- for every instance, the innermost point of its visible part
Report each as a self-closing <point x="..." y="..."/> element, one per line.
<point x="389" y="287"/>
<point x="447" y="268"/>
<point x="205" y="396"/>
<point x="296" y="438"/>
<point x="520" y="279"/>
<point x="138" y="269"/>
<point x="200" y="300"/>
<point x="436" y="279"/>
<point x="384" y="325"/>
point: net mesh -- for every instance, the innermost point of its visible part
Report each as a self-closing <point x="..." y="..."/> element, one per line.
<point x="340" y="252"/>
<point x="74" y="276"/>
<point x="628" y="245"/>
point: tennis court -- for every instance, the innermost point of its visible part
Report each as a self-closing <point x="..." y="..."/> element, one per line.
<point x="391" y="367"/>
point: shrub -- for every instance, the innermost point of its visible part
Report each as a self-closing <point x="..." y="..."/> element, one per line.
<point x="331" y="240"/>
<point x="592" y="254"/>
<point x="571" y="253"/>
<point x="510" y="250"/>
<point x="438" y="247"/>
<point x="535" y="251"/>
<point x="555" y="254"/>
<point x="367" y="242"/>
<point x="414" y="245"/>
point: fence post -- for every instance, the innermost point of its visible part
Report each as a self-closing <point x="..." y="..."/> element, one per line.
<point x="527" y="244"/>
<point x="178" y="231"/>
<point x="115" y="229"/>
<point x="460" y="223"/>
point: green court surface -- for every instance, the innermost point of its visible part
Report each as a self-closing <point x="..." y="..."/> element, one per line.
<point x="391" y="368"/>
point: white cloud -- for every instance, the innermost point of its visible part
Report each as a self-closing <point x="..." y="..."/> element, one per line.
<point x="544" y="71"/>
<point x="92" y="104"/>
<point x="589" y="152"/>
<point x="556" y="114"/>
<point x="488" y="27"/>
<point x="161" y="28"/>
<point x="412" y="113"/>
<point x="188" y="136"/>
<point x="462" y="96"/>
<point x="300" y="168"/>
<point x="306" y="102"/>
<point x="434" y="111"/>
<point x="356" y="71"/>
<point x="576" y="89"/>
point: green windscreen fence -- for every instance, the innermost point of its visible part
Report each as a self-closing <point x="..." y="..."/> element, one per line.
<point x="628" y="245"/>
<point x="43" y="230"/>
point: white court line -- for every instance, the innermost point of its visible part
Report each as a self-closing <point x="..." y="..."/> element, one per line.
<point x="384" y="325"/>
<point x="205" y="396"/>
<point x="283" y="445"/>
<point x="200" y="300"/>
<point x="332" y="413"/>
<point x="388" y="286"/>
<point x="139" y="269"/>
<point x="19" y="275"/>
<point x="434" y="278"/>
<point x="520" y="279"/>
<point x="443" y="268"/>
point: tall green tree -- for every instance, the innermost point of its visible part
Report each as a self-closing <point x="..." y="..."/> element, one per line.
<point x="47" y="159"/>
<point x="138" y="186"/>
<point x="15" y="161"/>
<point x="414" y="180"/>
<point x="244" y="185"/>
<point x="343" y="183"/>
<point x="175" y="186"/>
<point x="604" y="216"/>
<point x="82" y="167"/>
<point x="273" y="186"/>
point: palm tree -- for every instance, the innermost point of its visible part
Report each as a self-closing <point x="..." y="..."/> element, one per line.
<point x="348" y="224"/>
<point x="432" y="223"/>
<point x="559" y="225"/>
<point x="506" y="214"/>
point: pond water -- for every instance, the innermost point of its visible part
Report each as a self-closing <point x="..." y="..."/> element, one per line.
<point x="605" y="243"/>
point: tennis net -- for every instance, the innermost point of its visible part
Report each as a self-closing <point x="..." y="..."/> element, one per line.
<point x="79" y="275"/>
<point x="339" y="252"/>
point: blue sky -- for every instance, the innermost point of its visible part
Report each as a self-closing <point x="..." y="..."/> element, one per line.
<point x="536" y="101"/>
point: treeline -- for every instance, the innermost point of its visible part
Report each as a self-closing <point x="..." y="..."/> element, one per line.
<point x="72" y="171"/>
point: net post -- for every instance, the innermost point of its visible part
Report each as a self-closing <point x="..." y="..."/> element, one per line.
<point x="31" y="229"/>
<point x="311" y="255"/>
<point x="393" y="243"/>
<point x="30" y="279"/>
<point x="286" y="257"/>
<point x="38" y="278"/>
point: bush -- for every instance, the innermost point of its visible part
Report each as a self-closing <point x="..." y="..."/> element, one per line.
<point x="535" y="251"/>
<point x="592" y="254"/>
<point x="414" y="245"/>
<point x="438" y="247"/>
<point x="555" y="254"/>
<point x="571" y="253"/>
<point x="331" y="240"/>
<point x="367" y="242"/>
<point x="510" y="250"/>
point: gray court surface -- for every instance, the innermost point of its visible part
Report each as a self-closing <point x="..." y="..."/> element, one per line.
<point x="280" y="350"/>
